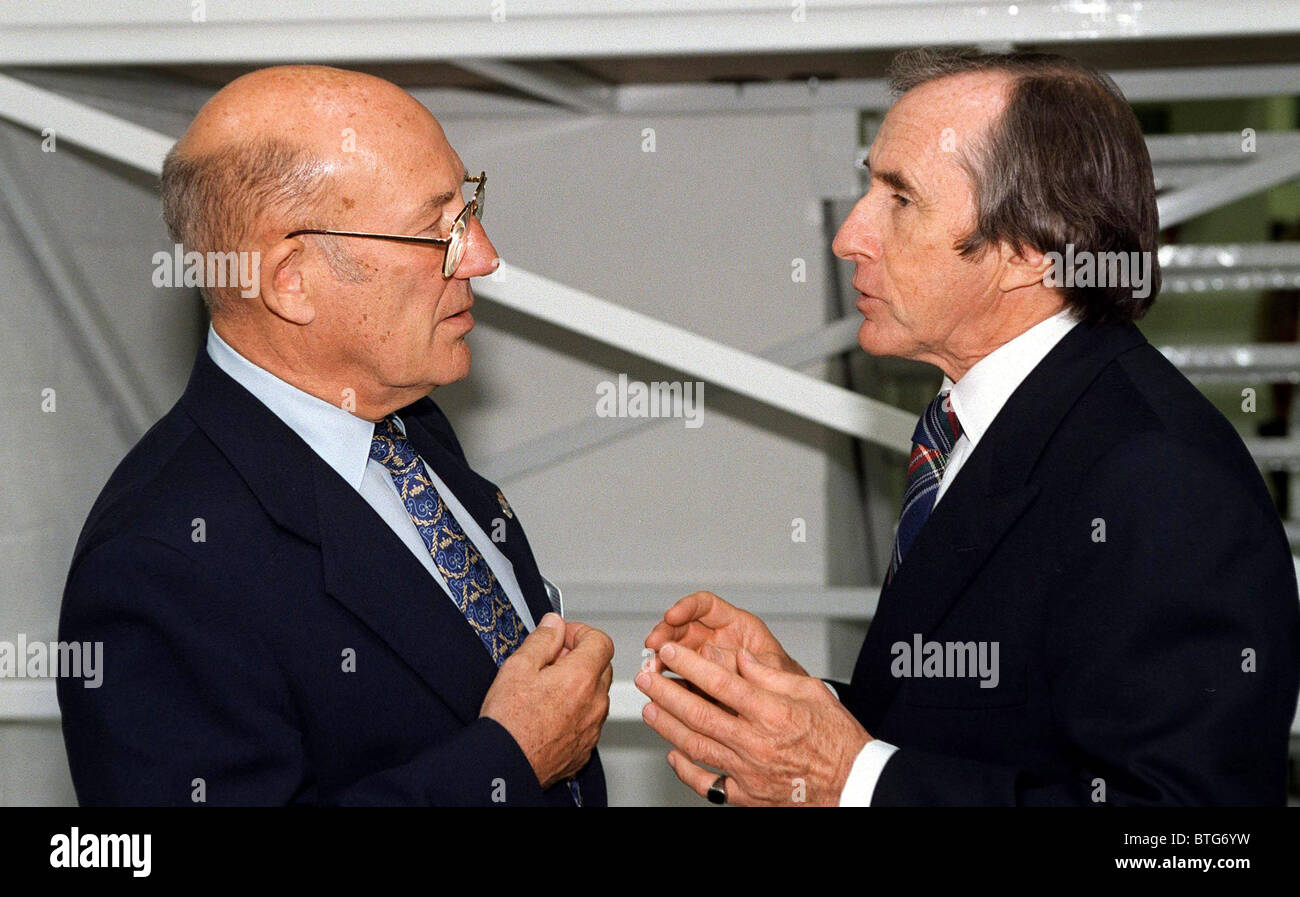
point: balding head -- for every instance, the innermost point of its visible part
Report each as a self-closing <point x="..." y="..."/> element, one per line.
<point x="269" y="153"/>
<point x="296" y="148"/>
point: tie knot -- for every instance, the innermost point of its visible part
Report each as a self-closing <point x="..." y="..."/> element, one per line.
<point x="391" y="448"/>
<point x="938" y="427"/>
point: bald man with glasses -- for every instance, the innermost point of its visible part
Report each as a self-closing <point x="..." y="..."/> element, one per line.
<point x="305" y="593"/>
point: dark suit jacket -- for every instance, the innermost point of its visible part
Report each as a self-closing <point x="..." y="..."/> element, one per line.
<point x="1159" y="666"/>
<point x="224" y="658"/>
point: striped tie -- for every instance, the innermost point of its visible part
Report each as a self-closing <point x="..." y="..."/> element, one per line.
<point x="936" y="433"/>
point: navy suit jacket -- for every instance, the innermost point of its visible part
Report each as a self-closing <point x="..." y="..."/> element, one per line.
<point x="1159" y="666"/>
<point x="231" y="574"/>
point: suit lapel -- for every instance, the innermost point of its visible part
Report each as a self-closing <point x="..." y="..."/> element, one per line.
<point x="366" y="567"/>
<point x="370" y="571"/>
<point x="983" y="502"/>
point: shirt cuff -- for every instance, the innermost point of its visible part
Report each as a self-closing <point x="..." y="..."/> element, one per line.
<point x="868" y="766"/>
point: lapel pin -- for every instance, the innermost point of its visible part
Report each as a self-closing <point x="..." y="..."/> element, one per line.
<point x="505" y="505"/>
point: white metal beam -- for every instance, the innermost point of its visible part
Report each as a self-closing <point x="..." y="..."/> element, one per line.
<point x="1240" y="182"/>
<point x="107" y="135"/>
<point x="589" y="433"/>
<point x="698" y="356"/>
<point x="1242" y="362"/>
<point x="537" y="84"/>
<point x="865" y="94"/>
<point x="1275" y="452"/>
<point x="115" y="32"/>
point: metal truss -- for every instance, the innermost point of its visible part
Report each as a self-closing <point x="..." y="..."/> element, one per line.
<point x="1241" y="267"/>
<point x="1181" y="160"/>
<point x="553" y="88"/>
<point x="1220" y="190"/>
<point x="161" y="32"/>
<point x="1241" y="363"/>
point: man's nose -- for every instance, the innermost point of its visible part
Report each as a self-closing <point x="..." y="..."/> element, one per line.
<point x="480" y="256"/>
<point x="857" y="236"/>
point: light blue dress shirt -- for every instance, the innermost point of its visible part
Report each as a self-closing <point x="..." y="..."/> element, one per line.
<point x="342" y="440"/>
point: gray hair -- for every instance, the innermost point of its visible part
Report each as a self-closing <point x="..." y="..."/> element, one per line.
<point x="212" y="202"/>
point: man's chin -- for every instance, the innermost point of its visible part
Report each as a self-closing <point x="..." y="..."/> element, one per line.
<point x="873" y="339"/>
<point x="455" y="364"/>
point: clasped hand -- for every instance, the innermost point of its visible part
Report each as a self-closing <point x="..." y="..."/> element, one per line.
<point x="745" y="707"/>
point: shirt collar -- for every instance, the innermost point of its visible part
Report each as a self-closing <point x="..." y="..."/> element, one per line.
<point x="340" y="438"/>
<point x="980" y="394"/>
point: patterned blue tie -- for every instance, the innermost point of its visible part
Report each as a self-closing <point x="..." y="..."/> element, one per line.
<point x="936" y="433"/>
<point x="473" y="585"/>
<point x="474" y="588"/>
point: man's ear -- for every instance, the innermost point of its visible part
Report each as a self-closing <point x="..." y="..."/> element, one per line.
<point x="284" y="282"/>
<point x="1022" y="267"/>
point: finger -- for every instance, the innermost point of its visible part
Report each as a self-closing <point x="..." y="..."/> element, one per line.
<point x="698" y="747"/>
<point x="606" y="679"/>
<point x="696" y="690"/>
<point x="700" y="714"/>
<point x="593" y="648"/>
<point x="718" y="682"/>
<point x="693" y="635"/>
<point x="662" y="634"/>
<point x="543" y="644"/>
<point x="700" y="780"/>
<point x="706" y="607"/>
<point x="767" y="676"/>
<point x="572" y="632"/>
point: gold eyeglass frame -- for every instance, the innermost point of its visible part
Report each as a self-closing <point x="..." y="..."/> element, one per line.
<point x="455" y="241"/>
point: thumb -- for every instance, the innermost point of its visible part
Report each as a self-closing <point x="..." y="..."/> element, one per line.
<point x="544" y="643"/>
<point x="754" y="670"/>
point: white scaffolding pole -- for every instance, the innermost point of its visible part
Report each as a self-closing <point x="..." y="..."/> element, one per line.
<point x="1242" y="181"/>
<point x="698" y="356"/>
<point x="535" y="83"/>
<point x="109" y="136"/>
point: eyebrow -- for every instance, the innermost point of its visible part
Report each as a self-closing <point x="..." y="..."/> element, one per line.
<point x="893" y="178"/>
<point x="435" y="203"/>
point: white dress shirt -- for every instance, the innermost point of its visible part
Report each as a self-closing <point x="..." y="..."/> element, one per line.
<point x="342" y="440"/>
<point x="976" y="399"/>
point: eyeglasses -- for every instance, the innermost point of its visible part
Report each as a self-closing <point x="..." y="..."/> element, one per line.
<point x="455" y="243"/>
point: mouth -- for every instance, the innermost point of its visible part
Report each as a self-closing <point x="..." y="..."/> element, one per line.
<point x="462" y="318"/>
<point x="866" y="300"/>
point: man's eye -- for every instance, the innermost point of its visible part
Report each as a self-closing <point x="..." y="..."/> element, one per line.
<point x="903" y="201"/>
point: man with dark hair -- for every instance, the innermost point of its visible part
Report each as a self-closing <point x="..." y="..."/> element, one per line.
<point x="1091" y="599"/>
<point x="291" y="573"/>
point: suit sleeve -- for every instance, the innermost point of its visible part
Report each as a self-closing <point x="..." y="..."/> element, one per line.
<point x="193" y="705"/>
<point x="1172" y="648"/>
